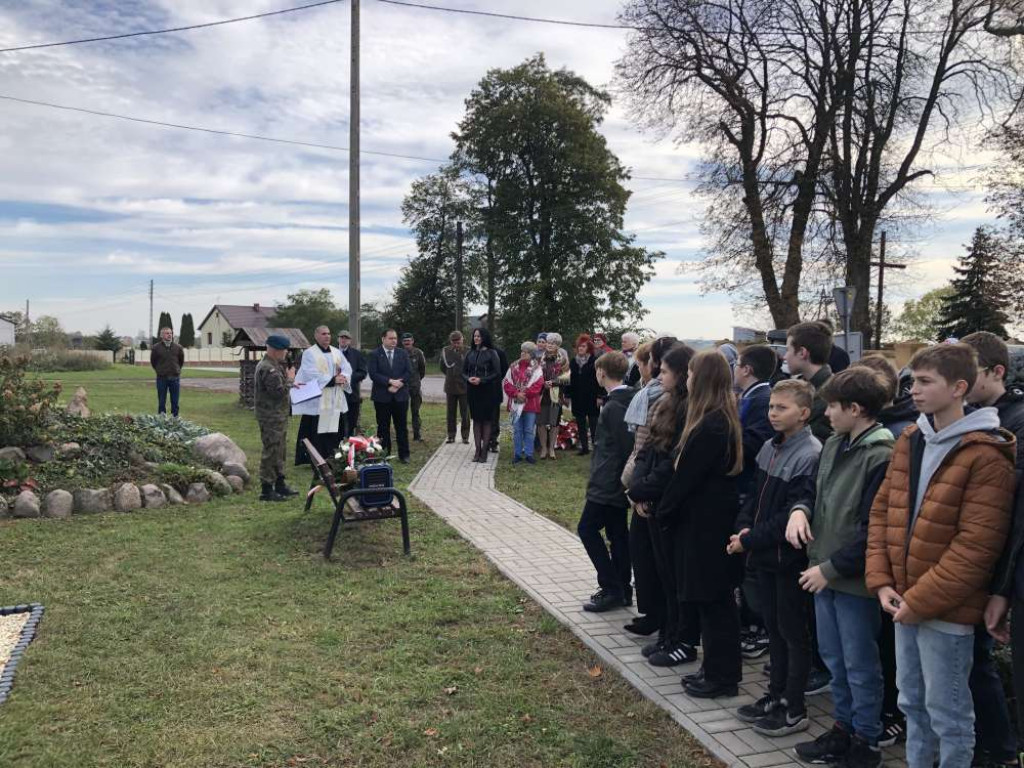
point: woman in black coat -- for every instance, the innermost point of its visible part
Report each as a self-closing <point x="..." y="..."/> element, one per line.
<point x="584" y="391"/>
<point x="699" y="508"/>
<point x="482" y="371"/>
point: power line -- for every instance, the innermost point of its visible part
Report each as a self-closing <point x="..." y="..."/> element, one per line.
<point x="190" y="27"/>
<point x="235" y="134"/>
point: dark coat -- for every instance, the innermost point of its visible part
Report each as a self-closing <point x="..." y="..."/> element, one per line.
<point x="358" y="362"/>
<point x="898" y="416"/>
<point x="583" y="388"/>
<point x="612" y="447"/>
<point x="485" y="396"/>
<point x="757" y="431"/>
<point x="819" y="423"/>
<point x="167" y="361"/>
<point x="838" y="359"/>
<point x="701" y="503"/>
<point x="1009" y="578"/>
<point x="380" y="373"/>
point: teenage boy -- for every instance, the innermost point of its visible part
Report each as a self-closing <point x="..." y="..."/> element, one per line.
<point x="606" y="506"/>
<point x="808" y="346"/>
<point x="786" y="468"/>
<point x="834" y="529"/>
<point x="938" y="525"/>
<point x="996" y="744"/>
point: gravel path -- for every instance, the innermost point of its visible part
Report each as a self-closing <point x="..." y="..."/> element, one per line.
<point x="10" y="632"/>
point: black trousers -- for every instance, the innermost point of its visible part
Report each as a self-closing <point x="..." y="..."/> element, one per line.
<point x="496" y="424"/>
<point x="682" y="619"/>
<point x="586" y="428"/>
<point x="1017" y="646"/>
<point x="887" y="655"/>
<point x="650" y="597"/>
<point x="352" y="417"/>
<point x="458" y="405"/>
<point x="786" y="612"/>
<point x="720" y="638"/>
<point x="388" y="413"/>
<point x="415" y="401"/>
<point x="613" y="567"/>
<point x="326" y="443"/>
<point x="993" y="731"/>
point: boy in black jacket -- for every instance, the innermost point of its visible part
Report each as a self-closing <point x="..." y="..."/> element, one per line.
<point x="786" y="470"/>
<point x="606" y="506"/>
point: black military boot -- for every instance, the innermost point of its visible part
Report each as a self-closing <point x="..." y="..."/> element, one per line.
<point x="269" y="494"/>
<point x="282" y="489"/>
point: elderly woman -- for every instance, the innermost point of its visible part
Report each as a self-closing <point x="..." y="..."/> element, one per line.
<point x="523" y="384"/>
<point x="584" y="392"/>
<point x="554" y="367"/>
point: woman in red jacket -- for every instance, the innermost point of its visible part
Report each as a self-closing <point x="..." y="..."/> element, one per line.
<point x="523" y="384"/>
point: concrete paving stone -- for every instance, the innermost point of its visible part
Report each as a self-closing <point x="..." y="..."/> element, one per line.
<point x="767" y="759"/>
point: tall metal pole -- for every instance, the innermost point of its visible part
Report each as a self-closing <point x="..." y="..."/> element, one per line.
<point x="150" y="342"/>
<point x="353" y="184"/>
<point x="881" y="285"/>
<point x="458" y="275"/>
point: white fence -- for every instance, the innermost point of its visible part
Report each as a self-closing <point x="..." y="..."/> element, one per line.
<point x="214" y="356"/>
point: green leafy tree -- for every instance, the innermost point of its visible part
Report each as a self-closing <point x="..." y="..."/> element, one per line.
<point x="979" y="298"/>
<point x="107" y="339"/>
<point x="307" y="309"/>
<point x="919" y="320"/>
<point x="226" y="338"/>
<point x="48" y="332"/>
<point x="187" y="333"/>
<point x="555" y="202"/>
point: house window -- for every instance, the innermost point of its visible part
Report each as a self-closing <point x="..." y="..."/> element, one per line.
<point x="209" y="339"/>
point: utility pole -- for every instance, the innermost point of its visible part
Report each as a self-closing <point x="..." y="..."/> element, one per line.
<point x="882" y="264"/>
<point x="458" y="275"/>
<point x="150" y="340"/>
<point x="353" y="184"/>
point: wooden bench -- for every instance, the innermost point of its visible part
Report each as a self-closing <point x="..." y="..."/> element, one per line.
<point x="347" y="505"/>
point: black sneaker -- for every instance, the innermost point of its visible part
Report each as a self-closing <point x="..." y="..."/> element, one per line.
<point x="603" y="601"/>
<point x="674" y="656"/>
<point x="818" y="681"/>
<point x="781" y="722"/>
<point x="861" y="755"/>
<point x="894" y="729"/>
<point x="766" y="670"/>
<point x="830" y="747"/>
<point x="651" y="648"/>
<point x="754" y="645"/>
<point x="751" y="713"/>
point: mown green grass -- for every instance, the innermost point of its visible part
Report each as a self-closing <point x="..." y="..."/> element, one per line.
<point x="217" y="636"/>
<point x="121" y="372"/>
<point x="555" y="489"/>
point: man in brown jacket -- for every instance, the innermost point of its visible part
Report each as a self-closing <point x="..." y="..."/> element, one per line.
<point x="937" y="528"/>
<point x="167" y="359"/>
<point x="455" y="385"/>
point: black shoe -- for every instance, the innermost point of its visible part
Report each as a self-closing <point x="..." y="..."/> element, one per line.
<point x="861" y="755"/>
<point x="708" y="689"/>
<point x="269" y="494"/>
<point x="404" y="459"/>
<point x="766" y="670"/>
<point x="627" y="597"/>
<point x="516" y="459"/>
<point x="417" y="438"/>
<point x="493" y="447"/>
<point x="652" y="648"/>
<point x="450" y="440"/>
<point x="582" y="452"/>
<point x="751" y="713"/>
<point x="693" y="677"/>
<point x="894" y="729"/>
<point x="465" y="441"/>
<point x="674" y="656"/>
<point x="754" y="645"/>
<point x="603" y="601"/>
<point x="282" y="488"/>
<point x="530" y="460"/>
<point x="781" y="722"/>
<point x="818" y="681"/>
<point x="642" y="625"/>
<point x="830" y="747"/>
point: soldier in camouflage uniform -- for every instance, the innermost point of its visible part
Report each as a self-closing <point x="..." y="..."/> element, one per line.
<point x="273" y="410"/>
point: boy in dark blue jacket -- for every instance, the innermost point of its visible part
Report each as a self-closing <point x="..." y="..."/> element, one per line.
<point x="786" y="469"/>
<point x="754" y="370"/>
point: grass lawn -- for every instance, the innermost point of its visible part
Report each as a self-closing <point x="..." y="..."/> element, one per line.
<point x="121" y="372"/>
<point x="555" y="489"/>
<point x="217" y="636"/>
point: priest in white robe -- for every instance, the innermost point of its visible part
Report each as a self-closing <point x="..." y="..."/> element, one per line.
<point x="323" y="421"/>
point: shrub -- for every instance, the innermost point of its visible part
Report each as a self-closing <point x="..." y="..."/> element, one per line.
<point x="181" y="476"/>
<point x="169" y="428"/>
<point x="25" y="406"/>
<point x="56" y="361"/>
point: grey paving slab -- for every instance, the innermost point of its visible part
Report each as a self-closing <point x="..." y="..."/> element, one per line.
<point x="550" y="565"/>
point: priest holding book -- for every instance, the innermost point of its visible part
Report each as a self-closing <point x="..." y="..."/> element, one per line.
<point x="323" y="421"/>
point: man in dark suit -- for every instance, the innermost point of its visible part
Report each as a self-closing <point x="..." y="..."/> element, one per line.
<point x="358" y="362"/>
<point x="390" y="370"/>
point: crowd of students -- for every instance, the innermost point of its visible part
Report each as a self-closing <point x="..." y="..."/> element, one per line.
<point x="867" y="521"/>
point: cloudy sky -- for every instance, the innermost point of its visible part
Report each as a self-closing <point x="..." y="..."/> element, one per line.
<point x="92" y="208"/>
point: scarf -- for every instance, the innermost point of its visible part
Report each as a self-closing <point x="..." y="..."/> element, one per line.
<point x="581" y="360"/>
<point x="639" y="406"/>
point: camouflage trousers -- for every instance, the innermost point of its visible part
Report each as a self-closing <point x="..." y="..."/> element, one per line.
<point x="274" y="434"/>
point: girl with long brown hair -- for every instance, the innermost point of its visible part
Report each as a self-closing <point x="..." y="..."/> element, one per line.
<point x="699" y="507"/>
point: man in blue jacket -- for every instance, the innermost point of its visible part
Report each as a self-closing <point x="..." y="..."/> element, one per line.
<point x="389" y="371"/>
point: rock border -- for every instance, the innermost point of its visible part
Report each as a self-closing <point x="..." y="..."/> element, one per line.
<point x="28" y="633"/>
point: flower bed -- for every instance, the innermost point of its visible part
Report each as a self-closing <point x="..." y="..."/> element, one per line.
<point x="17" y="628"/>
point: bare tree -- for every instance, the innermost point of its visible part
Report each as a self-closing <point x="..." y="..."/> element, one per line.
<point x="1005" y="18"/>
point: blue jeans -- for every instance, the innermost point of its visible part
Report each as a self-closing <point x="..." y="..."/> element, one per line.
<point x="163" y="387"/>
<point x="522" y="434"/>
<point x="848" y="643"/>
<point x="932" y="672"/>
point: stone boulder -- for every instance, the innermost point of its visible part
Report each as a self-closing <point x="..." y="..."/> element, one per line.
<point x="40" y="454"/>
<point x="26" y="505"/>
<point x="127" y="498"/>
<point x="173" y="497"/>
<point x="153" y="497"/>
<point x="5" y="508"/>
<point x="12" y="453"/>
<point x="58" y="504"/>
<point x="92" y="500"/>
<point x="217" y="450"/>
<point x="236" y="470"/>
<point x="218" y="484"/>
<point x="79" y="405"/>
<point x="197" y="494"/>
<point x="69" y="449"/>
<point x="236" y="483"/>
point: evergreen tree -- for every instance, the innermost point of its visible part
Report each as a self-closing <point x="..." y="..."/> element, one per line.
<point x="187" y="333"/>
<point x="165" y="322"/>
<point x="107" y="339"/>
<point x="979" y="298"/>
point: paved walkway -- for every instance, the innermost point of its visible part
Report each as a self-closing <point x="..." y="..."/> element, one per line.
<point x="550" y="564"/>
